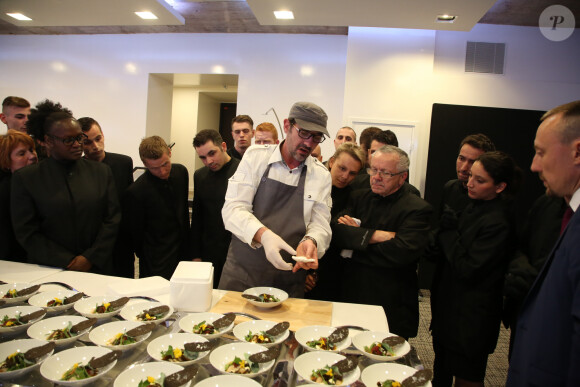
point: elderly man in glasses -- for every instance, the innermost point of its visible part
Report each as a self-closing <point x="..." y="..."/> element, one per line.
<point x="279" y="199"/>
<point x="386" y="226"/>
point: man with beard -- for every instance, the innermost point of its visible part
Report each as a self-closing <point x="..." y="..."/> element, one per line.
<point x="279" y="199"/>
<point x="209" y="237"/>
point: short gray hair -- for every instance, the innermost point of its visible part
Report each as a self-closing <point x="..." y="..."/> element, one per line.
<point x="403" y="164"/>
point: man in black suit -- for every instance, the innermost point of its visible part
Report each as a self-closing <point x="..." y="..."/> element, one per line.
<point x="388" y="241"/>
<point x="209" y="238"/>
<point x="122" y="168"/>
<point x="156" y="213"/>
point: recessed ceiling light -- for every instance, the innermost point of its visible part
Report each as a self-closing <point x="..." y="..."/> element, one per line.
<point x="445" y="18"/>
<point x="18" y="16"/>
<point x="284" y="15"/>
<point x="146" y="15"/>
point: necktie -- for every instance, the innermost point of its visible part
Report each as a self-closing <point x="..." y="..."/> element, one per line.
<point x="566" y="218"/>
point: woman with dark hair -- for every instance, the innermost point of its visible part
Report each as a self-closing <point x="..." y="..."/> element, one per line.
<point x="467" y="288"/>
<point x="65" y="209"/>
<point x="16" y="151"/>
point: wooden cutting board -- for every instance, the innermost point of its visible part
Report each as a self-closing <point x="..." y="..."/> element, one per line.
<point x="297" y="311"/>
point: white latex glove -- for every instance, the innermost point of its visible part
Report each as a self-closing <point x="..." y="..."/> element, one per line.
<point x="272" y="244"/>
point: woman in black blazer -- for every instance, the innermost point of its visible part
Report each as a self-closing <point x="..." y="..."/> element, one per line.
<point x="467" y="288"/>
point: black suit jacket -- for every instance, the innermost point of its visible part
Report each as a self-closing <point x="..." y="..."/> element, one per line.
<point x="10" y="249"/>
<point x="122" y="167"/>
<point x="61" y="210"/>
<point x="157" y="214"/>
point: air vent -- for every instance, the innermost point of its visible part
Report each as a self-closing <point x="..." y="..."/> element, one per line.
<point x="483" y="57"/>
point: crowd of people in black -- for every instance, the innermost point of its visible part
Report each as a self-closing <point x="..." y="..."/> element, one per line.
<point x="351" y="229"/>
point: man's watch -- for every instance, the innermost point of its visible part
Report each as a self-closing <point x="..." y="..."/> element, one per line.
<point x="309" y="238"/>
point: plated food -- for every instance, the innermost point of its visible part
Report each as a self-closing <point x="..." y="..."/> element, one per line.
<point x="18" y="357"/>
<point x="323" y="338"/>
<point x="265" y="297"/>
<point x="120" y="335"/>
<point x="15" y="319"/>
<point x="148" y="311"/>
<point x="150" y="374"/>
<point x="324" y="368"/>
<point x="381" y="346"/>
<point x="263" y="332"/>
<point x="393" y="374"/>
<point x="100" y="307"/>
<point x="63" y="330"/>
<point x="177" y="348"/>
<point x="228" y="381"/>
<point x="209" y="325"/>
<point x="77" y="366"/>
<point x="17" y="292"/>
<point x="55" y="301"/>
<point x="234" y="358"/>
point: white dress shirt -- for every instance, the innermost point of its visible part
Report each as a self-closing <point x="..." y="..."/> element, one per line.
<point x="237" y="210"/>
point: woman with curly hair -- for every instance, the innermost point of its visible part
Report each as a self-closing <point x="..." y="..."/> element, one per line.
<point x="65" y="209"/>
<point x="16" y="151"/>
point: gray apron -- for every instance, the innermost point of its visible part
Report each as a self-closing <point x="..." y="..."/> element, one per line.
<point x="280" y="207"/>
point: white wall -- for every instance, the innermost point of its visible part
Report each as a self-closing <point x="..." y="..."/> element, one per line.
<point x="375" y="73"/>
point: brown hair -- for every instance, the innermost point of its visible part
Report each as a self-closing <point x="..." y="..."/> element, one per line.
<point x="153" y="148"/>
<point x="15" y="101"/>
<point x="268" y="127"/>
<point x="478" y="141"/>
<point x="8" y="142"/>
<point x="243" y="118"/>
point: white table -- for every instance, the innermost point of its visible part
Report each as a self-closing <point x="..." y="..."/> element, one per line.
<point x="371" y="317"/>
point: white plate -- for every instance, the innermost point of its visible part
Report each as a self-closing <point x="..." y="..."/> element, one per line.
<point x="87" y="306"/>
<point x="227" y="353"/>
<point x="55" y="366"/>
<point x="138" y="372"/>
<point x="189" y="321"/>
<point x="42" y="298"/>
<point x="103" y="333"/>
<point x="176" y="340"/>
<point x="257" y="326"/>
<point x="279" y="294"/>
<point x="43" y="328"/>
<point x="375" y="373"/>
<point x="228" y="381"/>
<point x="23" y="345"/>
<point x="13" y="311"/>
<point x="367" y="338"/>
<point x="131" y="311"/>
<point x="315" y="332"/>
<point x="18" y="286"/>
<point x="311" y="361"/>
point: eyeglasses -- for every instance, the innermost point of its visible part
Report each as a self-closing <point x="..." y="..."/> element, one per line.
<point x="69" y="141"/>
<point x="382" y="174"/>
<point x="305" y="134"/>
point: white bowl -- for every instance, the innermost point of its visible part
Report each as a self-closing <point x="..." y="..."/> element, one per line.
<point x="87" y="306"/>
<point x="104" y="333"/>
<point x="131" y="311"/>
<point x="257" y="326"/>
<point x="228" y="381"/>
<point x="176" y="340"/>
<point x="43" y="328"/>
<point x="315" y="332"/>
<point x="55" y="366"/>
<point x="189" y="321"/>
<point x="279" y="294"/>
<point x="4" y="289"/>
<point x="227" y="353"/>
<point x="308" y="362"/>
<point x="380" y="372"/>
<point x="12" y="312"/>
<point x="42" y="298"/>
<point x="22" y="345"/>
<point x="367" y="338"/>
<point x="138" y="372"/>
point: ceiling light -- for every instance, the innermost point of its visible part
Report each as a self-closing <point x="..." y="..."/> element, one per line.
<point x="18" y="16"/>
<point x="146" y="15"/>
<point x="288" y="15"/>
<point x="446" y="18"/>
